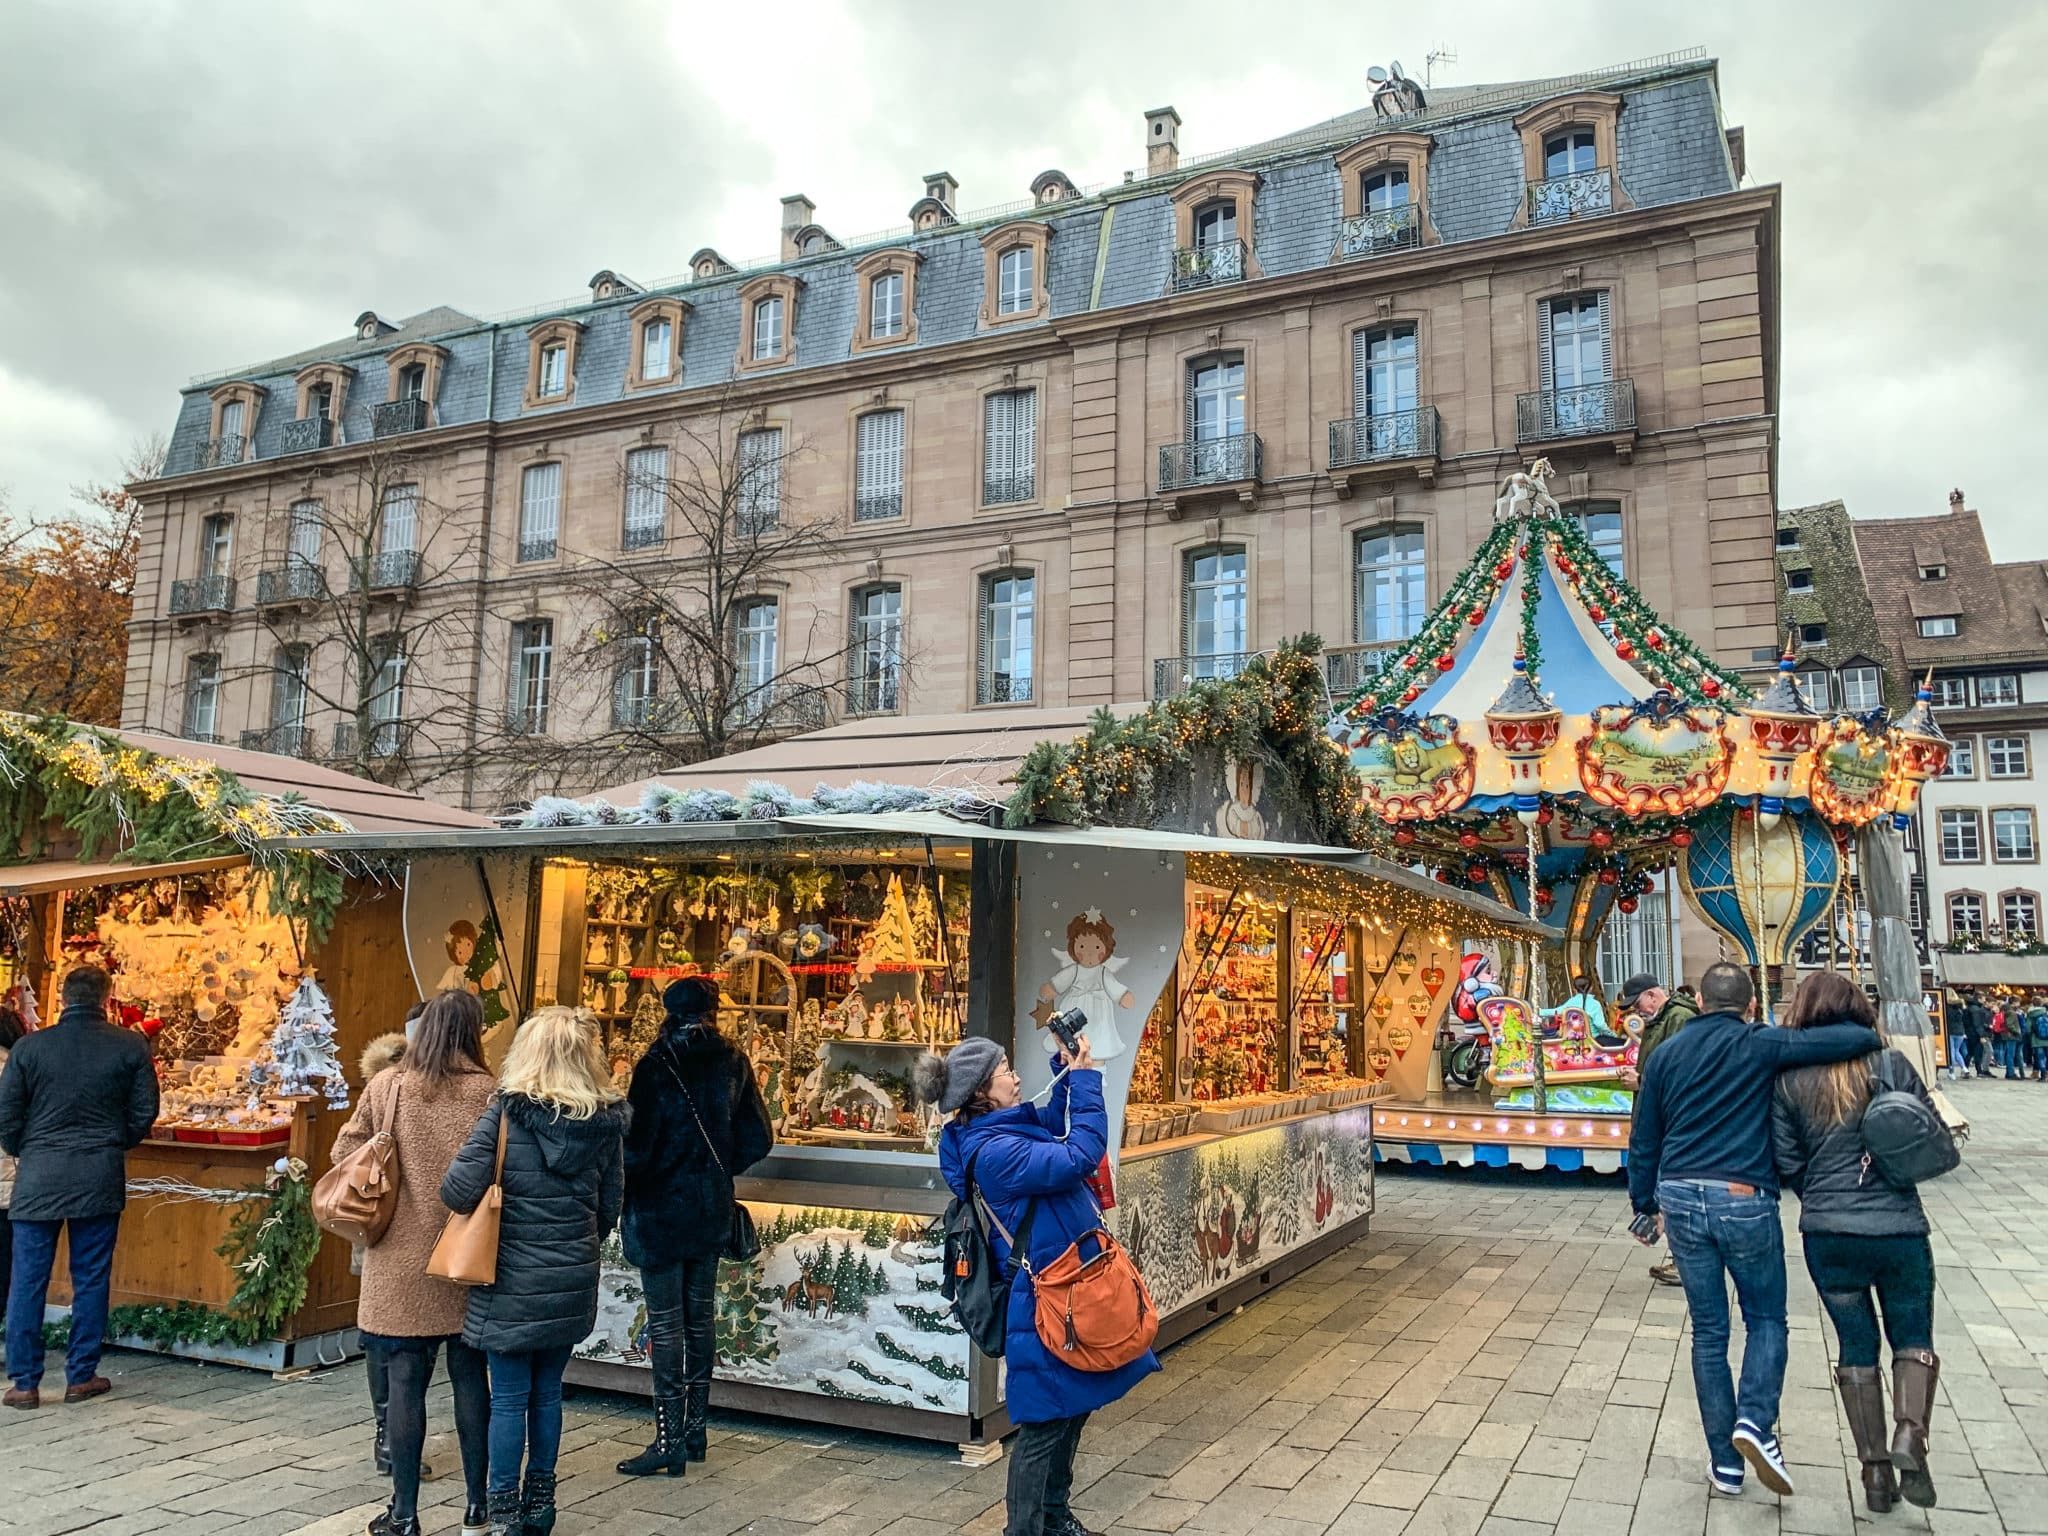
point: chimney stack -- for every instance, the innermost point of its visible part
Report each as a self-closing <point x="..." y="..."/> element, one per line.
<point x="942" y="189"/>
<point x="797" y="211"/>
<point x="1955" y="501"/>
<point x="1162" y="141"/>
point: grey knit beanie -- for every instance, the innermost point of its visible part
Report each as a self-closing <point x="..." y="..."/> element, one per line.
<point x="950" y="1082"/>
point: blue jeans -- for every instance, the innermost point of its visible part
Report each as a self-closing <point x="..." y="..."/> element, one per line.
<point x="2010" y="1055"/>
<point x="1958" y="1053"/>
<point x="526" y="1413"/>
<point x="1714" y="1233"/>
<point x="92" y="1267"/>
<point x="2041" y="1059"/>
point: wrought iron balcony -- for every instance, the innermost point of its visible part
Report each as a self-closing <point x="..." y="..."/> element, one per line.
<point x="1589" y="410"/>
<point x="1389" y="435"/>
<point x="1348" y="667"/>
<point x="1204" y="266"/>
<point x="296" y="581"/>
<point x="204" y="738"/>
<point x="526" y="720"/>
<point x="308" y="433"/>
<point x="648" y="713"/>
<point x="874" y="506"/>
<point x="788" y="706"/>
<point x="285" y="740"/>
<point x="1576" y="196"/>
<point x="537" y="549"/>
<point x="384" y="739"/>
<point x="998" y="490"/>
<point x="203" y="594"/>
<point x="397" y="416"/>
<point x="1176" y="674"/>
<point x="1218" y="461"/>
<point x="643" y="536"/>
<point x="1381" y="230"/>
<point x="394" y="570"/>
<point x="1003" y="688"/>
<point x="879" y="693"/>
<point x="220" y="452"/>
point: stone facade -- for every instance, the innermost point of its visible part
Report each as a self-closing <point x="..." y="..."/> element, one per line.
<point x="1114" y="316"/>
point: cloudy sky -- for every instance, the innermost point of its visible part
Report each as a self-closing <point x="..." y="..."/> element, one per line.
<point x="190" y="187"/>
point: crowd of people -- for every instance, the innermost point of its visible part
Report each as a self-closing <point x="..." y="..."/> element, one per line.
<point x="2009" y="1039"/>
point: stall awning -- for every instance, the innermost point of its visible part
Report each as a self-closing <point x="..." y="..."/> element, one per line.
<point x="1994" y="969"/>
<point x="71" y="875"/>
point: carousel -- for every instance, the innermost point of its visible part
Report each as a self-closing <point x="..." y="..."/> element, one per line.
<point x="1547" y="739"/>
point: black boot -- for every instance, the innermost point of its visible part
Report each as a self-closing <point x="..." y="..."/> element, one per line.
<point x="1862" y="1389"/>
<point x="383" y="1524"/>
<point x="1914" y="1373"/>
<point x="696" y="1416"/>
<point x="666" y="1455"/>
<point x="505" y="1516"/>
<point x="537" y="1503"/>
<point x="380" y="1453"/>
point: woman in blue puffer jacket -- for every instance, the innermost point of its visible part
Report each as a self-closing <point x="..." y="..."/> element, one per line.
<point x="1025" y="1157"/>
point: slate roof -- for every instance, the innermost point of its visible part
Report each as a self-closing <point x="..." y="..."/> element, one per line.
<point x="1827" y="549"/>
<point x="1106" y="251"/>
<point x="1998" y="607"/>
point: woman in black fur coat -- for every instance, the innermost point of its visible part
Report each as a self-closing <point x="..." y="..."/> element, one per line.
<point x="698" y="1121"/>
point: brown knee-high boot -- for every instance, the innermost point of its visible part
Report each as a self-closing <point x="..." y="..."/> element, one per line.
<point x="1914" y="1373"/>
<point x="1862" y="1389"/>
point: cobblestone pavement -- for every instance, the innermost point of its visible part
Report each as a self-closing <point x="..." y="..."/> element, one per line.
<point x="1491" y="1361"/>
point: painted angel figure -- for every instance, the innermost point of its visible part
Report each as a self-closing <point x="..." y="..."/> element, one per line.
<point x="1087" y="980"/>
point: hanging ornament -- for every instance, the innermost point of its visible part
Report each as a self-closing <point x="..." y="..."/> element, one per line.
<point x="1654" y="639"/>
<point x="1545" y="816"/>
<point x="1711" y="688"/>
<point x="1682" y="838"/>
<point x="1627" y="904"/>
<point x="1610" y="876"/>
<point x="1411" y="695"/>
<point x="1601" y="838"/>
<point x="1475" y="872"/>
<point x="1625" y="650"/>
<point x="1476" y="617"/>
<point x="1597" y="614"/>
<point x="1445" y="662"/>
<point x="1468" y="839"/>
<point x="1405" y="836"/>
<point x="1504" y="570"/>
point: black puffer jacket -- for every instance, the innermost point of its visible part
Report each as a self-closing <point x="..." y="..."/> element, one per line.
<point x="73" y="1100"/>
<point x="678" y="1202"/>
<point x="1824" y="1164"/>
<point x="561" y="1200"/>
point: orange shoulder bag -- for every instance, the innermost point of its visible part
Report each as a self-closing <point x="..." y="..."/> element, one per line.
<point x="1094" y="1312"/>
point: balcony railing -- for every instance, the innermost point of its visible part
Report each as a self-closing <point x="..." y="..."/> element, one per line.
<point x="999" y="490"/>
<point x="1003" y="688"/>
<point x="285" y="740"/>
<point x="874" y="506"/>
<point x="1348" y="667"/>
<point x="1219" y="461"/>
<point x="537" y="549"/>
<point x="649" y="713"/>
<point x="642" y="535"/>
<point x="395" y="569"/>
<point x="308" y="433"/>
<point x="220" y="452"/>
<point x="1585" y="411"/>
<point x="792" y="707"/>
<point x="203" y="594"/>
<point x="1381" y="230"/>
<point x="384" y="739"/>
<point x="1571" y="197"/>
<point x="1176" y="674"/>
<point x="526" y="720"/>
<point x="205" y="738"/>
<point x="1390" y="435"/>
<point x="297" y="581"/>
<point x="397" y="416"/>
<point x="879" y="693"/>
<point x="1204" y="266"/>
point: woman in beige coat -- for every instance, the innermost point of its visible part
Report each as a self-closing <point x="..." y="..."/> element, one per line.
<point x="429" y="1103"/>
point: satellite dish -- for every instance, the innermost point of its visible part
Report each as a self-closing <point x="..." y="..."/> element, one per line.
<point x="1397" y="69"/>
<point x="1376" y="75"/>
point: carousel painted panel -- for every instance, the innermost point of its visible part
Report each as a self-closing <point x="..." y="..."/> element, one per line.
<point x="842" y="1303"/>
<point x="1197" y="1218"/>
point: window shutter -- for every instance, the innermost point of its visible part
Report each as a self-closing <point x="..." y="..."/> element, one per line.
<point x="892" y="451"/>
<point x="1188" y="400"/>
<point x="996" y="443"/>
<point x="984" y="662"/>
<point x="1024" y="437"/>
<point x="1606" y="337"/>
<point x="1545" y="378"/>
<point x="1361" y="362"/>
<point x="1187" y="603"/>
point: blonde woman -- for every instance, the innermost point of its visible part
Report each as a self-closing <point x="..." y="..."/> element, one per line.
<point x="565" y="1126"/>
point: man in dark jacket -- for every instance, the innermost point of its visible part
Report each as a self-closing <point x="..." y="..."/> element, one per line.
<point x="1663" y="1014"/>
<point x="73" y="1100"/>
<point x="1700" y="1157"/>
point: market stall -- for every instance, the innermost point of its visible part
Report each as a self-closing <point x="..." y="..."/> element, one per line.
<point x="853" y="928"/>
<point x="257" y="976"/>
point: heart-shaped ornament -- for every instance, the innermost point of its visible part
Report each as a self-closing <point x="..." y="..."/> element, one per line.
<point x="1382" y="1006"/>
<point x="1379" y="1058"/>
<point x="1400" y="1037"/>
<point x="1404" y="965"/>
<point x="1433" y="978"/>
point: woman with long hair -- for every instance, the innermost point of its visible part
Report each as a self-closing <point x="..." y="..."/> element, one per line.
<point x="698" y="1122"/>
<point x="1025" y="1159"/>
<point x="1864" y="1240"/>
<point x="560" y="1193"/>
<point x="428" y="1101"/>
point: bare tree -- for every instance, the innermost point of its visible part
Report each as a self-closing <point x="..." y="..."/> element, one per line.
<point x="701" y="638"/>
<point x="372" y="621"/>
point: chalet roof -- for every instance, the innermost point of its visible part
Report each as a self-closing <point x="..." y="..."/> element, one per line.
<point x="1997" y="607"/>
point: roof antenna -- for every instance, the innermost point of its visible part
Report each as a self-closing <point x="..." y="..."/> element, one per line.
<point x="1442" y="53"/>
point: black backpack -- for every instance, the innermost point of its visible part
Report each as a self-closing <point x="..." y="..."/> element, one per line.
<point x="976" y="1285"/>
<point x="1904" y="1139"/>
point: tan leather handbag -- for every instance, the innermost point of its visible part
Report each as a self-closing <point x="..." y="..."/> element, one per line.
<point x="356" y="1198"/>
<point x="467" y="1250"/>
<point x="1094" y="1312"/>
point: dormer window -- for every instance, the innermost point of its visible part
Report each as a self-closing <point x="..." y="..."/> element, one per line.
<point x="1799" y="581"/>
<point x="1940" y="627"/>
<point x="1386" y="192"/>
<point x="1212" y="222"/>
<point x="412" y="385"/>
<point x="1568" y="158"/>
<point x="551" y="362"/>
<point x="885" y="306"/>
<point x="1013" y="273"/>
<point x="1385" y="189"/>
<point x="412" y="382"/>
<point x="554" y="371"/>
<point x="1813" y="636"/>
<point x="1933" y="572"/>
<point x="768" y="322"/>
<point x="320" y="401"/>
<point x="767" y="328"/>
<point x="657" y="352"/>
<point x="657" y="348"/>
<point x="887" y="289"/>
<point x="1788" y="538"/>
<point x="1215" y="224"/>
<point x="1570" y="152"/>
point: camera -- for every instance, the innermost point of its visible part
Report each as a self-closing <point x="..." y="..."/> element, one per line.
<point x="1068" y="1026"/>
<point x="1644" y="1227"/>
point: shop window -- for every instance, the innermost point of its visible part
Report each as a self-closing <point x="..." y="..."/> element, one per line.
<point x="2012" y="835"/>
<point x="1962" y="837"/>
<point x="1007" y="657"/>
<point x="2005" y="757"/>
<point x="540" y="511"/>
<point x="1966" y="915"/>
<point x="875" y="651"/>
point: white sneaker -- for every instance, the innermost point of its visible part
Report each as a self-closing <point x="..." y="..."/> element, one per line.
<point x="1725" y="1480"/>
<point x="1761" y="1452"/>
